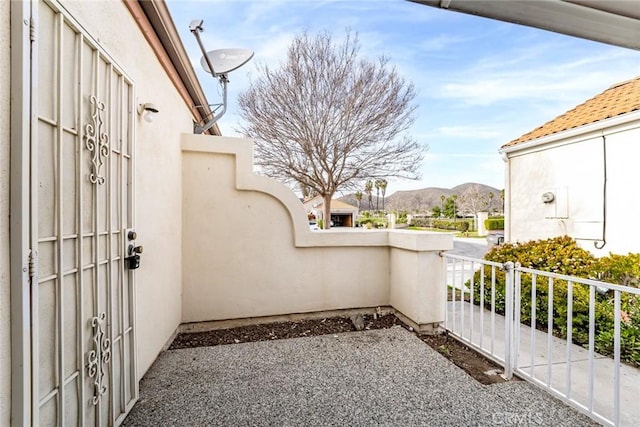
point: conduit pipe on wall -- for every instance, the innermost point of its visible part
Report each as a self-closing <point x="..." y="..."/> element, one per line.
<point x="599" y="244"/>
<point x="507" y="197"/>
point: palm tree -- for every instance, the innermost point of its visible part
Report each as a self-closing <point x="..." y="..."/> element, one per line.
<point x="368" y="188"/>
<point x="359" y="198"/>
<point x="383" y="190"/>
<point x="442" y="199"/>
<point x="455" y="214"/>
<point x="491" y="196"/>
<point x="377" y="184"/>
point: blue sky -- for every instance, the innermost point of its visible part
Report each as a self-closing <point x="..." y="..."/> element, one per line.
<point x="481" y="83"/>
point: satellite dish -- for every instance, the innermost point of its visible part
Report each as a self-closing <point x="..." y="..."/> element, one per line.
<point x="224" y="61"/>
<point x="218" y="63"/>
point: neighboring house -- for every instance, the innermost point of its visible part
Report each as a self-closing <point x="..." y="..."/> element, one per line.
<point x="577" y="175"/>
<point x="342" y="214"/>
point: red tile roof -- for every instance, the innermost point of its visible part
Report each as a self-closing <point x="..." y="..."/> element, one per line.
<point x="619" y="99"/>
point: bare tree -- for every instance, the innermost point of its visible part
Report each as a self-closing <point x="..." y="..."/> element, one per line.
<point x="307" y="191"/>
<point x="331" y="119"/>
<point x="474" y="200"/>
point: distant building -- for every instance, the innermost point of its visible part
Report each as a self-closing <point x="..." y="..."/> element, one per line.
<point x="342" y="214"/>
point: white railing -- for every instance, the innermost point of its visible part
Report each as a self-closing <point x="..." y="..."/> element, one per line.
<point x="497" y="325"/>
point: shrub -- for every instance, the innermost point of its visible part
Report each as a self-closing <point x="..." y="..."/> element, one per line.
<point x="560" y="255"/>
<point x="620" y="269"/>
<point x="563" y="256"/>
<point x="420" y="222"/>
<point x="372" y="222"/>
<point x="494" y="223"/>
<point x="364" y="221"/>
<point x="401" y="217"/>
<point x="445" y="224"/>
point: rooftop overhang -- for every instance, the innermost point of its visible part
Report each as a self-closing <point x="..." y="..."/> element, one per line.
<point x="156" y="24"/>
<point x="615" y="22"/>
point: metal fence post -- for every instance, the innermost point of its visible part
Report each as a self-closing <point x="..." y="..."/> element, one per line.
<point x="508" y="319"/>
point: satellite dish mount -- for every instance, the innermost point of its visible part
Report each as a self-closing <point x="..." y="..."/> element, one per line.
<point x="218" y="63"/>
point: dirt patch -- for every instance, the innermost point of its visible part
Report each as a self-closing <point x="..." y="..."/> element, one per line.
<point x="477" y="366"/>
<point x="473" y="363"/>
<point x="280" y="330"/>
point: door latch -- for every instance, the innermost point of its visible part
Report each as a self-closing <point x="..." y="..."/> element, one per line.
<point x="133" y="252"/>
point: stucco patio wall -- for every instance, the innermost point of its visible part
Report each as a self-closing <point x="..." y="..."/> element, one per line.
<point x="248" y="251"/>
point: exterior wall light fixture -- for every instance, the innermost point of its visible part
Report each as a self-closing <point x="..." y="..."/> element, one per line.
<point x="149" y="110"/>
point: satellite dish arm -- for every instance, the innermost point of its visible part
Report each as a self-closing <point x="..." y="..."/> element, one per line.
<point x="196" y="28"/>
<point x="201" y="129"/>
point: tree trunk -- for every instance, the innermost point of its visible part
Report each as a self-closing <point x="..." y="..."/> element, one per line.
<point x="326" y="214"/>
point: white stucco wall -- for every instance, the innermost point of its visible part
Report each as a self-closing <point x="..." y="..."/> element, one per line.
<point x="248" y="251"/>
<point x="158" y="183"/>
<point x="5" y="328"/>
<point x="573" y="169"/>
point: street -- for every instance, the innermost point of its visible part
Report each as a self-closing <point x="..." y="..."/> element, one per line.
<point x="470" y="247"/>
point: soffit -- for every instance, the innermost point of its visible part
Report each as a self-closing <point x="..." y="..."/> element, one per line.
<point x="615" y="22"/>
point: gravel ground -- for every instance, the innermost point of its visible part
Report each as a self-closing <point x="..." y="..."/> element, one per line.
<point x="375" y="377"/>
<point x="474" y="364"/>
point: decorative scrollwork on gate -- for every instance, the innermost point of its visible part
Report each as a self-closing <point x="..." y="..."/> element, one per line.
<point x="98" y="357"/>
<point x="96" y="141"/>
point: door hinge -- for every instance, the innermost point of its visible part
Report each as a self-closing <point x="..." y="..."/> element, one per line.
<point x="32" y="30"/>
<point x="33" y="264"/>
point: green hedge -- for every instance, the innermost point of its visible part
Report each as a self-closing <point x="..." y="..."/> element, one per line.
<point x="372" y="222"/>
<point x="494" y="223"/>
<point x="563" y="256"/>
<point x="420" y="222"/>
<point x="444" y="224"/>
<point x="459" y="225"/>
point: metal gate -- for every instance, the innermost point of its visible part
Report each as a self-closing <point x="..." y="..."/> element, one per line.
<point x="81" y="301"/>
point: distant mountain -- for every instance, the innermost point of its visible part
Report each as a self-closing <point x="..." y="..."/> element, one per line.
<point x="425" y="199"/>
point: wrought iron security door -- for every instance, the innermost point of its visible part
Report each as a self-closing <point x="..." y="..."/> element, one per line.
<point x="82" y="296"/>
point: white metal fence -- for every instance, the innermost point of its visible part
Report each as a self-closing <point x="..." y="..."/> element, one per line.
<point x="506" y="312"/>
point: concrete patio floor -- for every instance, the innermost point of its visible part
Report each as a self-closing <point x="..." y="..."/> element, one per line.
<point x="378" y="377"/>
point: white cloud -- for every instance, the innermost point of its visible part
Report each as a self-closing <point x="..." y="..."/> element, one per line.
<point x="572" y="78"/>
<point x="442" y="42"/>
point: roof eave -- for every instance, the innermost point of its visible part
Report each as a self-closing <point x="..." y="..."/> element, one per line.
<point x="570" y="133"/>
<point x="160" y="21"/>
<point x="584" y="20"/>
